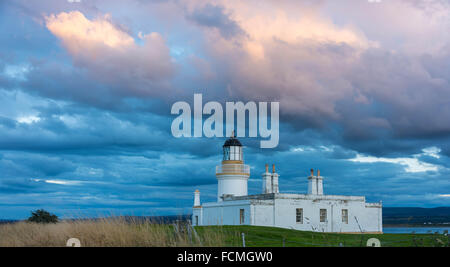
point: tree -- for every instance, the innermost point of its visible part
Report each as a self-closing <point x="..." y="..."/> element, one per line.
<point x="43" y="216"/>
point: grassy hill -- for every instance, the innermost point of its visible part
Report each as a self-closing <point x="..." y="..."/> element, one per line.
<point x="258" y="236"/>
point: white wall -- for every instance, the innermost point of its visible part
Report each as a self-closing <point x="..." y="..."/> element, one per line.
<point x="262" y="212"/>
<point x="226" y="213"/>
<point x="281" y="212"/>
<point x="197" y="212"/>
<point x="231" y="184"/>
<point x="369" y="219"/>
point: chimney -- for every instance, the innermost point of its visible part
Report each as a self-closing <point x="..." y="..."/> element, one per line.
<point x="312" y="184"/>
<point x="274" y="177"/>
<point x="267" y="181"/>
<point x="319" y="183"/>
<point x="197" y="198"/>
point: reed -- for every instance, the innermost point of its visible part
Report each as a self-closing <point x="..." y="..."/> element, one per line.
<point x="108" y="232"/>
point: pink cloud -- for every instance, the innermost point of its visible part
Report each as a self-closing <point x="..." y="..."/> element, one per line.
<point x="112" y="55"/>
<point x="321" y="59"/>
<point x="324" y="62"/>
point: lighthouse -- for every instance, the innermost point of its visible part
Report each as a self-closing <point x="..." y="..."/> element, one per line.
<point x="314" y="210"/>
<point x="232" y="175"/>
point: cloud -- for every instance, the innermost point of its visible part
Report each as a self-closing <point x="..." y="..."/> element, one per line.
<point x="86" y="89"/>
<point x="432" y="152"/>
<point x="59" y="182"/>
<point x="111" y="55"/>
<point x="411" y="164"/>
<point x="213" y="16"/>
<point x="78" y="33"/>
<point x="323" y="66"/>
<point x="28" y="119"/>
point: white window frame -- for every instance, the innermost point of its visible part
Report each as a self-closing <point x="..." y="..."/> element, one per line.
<point x="344" y="215"/>
<point x="299" y="214"/>
<point x="323" y="217"/>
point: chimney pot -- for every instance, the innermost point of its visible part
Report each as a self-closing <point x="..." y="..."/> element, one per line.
<point x="267" y="167"/>
<point x="312" y="172"/>
<point x="318" y="173"/>
<point x="273" y="168"/>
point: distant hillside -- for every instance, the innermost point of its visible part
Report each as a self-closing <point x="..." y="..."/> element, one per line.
<point x="416" y="216"/>
<point x="7" y="221"/>
<point x="391" y="216"/>
<point x="441" y="211"/>
<point x="168" y="219"/>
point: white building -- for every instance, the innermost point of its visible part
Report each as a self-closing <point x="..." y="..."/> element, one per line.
<point x="314" y="211"/>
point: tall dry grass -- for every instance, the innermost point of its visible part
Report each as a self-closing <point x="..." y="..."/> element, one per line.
<point x="108" y="232"/>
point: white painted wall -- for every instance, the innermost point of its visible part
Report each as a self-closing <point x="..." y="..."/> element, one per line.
<point x="275" y="177"/>
<point x="281" y="212"/>
<point x="369" y="219"/>
<point x="267" y="183"/>
<point x="312" y="185"/>
<point x="319" y="185"/>
<point x="197" y="212"/>
<point x="232" y="184"/>
<point x="226" y="213"/>
<point x="263" y="213"/>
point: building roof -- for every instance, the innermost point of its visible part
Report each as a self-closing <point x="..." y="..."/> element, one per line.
<point x="294" y="196"/>
<point x="232" y="141"/>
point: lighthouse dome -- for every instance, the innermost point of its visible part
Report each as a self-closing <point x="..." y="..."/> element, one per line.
<point x="232" y="141"/>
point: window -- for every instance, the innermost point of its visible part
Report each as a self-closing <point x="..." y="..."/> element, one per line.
<point x="226" y="153"/>
<point x="345" y="216"/>
<point x="235" y="153"/>
<point x="196" y="220"/>
<point x="241" y="216"/>
<point x="323" y="215"/>
<point x="299" y="215"/>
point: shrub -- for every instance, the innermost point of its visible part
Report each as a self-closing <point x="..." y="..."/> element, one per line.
<point x="42" y="216"/>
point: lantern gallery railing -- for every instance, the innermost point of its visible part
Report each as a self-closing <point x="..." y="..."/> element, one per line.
<point x="233" y="169"/>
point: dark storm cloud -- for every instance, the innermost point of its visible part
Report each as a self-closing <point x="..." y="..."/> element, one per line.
<point x="214" y="16"/>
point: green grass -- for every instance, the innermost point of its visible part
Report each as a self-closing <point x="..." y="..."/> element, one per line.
<point x="258" y="236"/>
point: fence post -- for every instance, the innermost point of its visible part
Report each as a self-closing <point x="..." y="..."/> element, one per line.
<point x="189" y="232"/>
<point x="196" y="235"/>
<point x="243" y="240"/>
<point x="284" y="242"/>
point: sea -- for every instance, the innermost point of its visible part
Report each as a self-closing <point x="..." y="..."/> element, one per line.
<point x="417" y="230"/>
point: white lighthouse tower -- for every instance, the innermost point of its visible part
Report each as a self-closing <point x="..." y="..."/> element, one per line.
<point x="232" y="175"/>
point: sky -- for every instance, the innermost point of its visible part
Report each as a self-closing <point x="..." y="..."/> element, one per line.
<point x="86" y="89"/>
